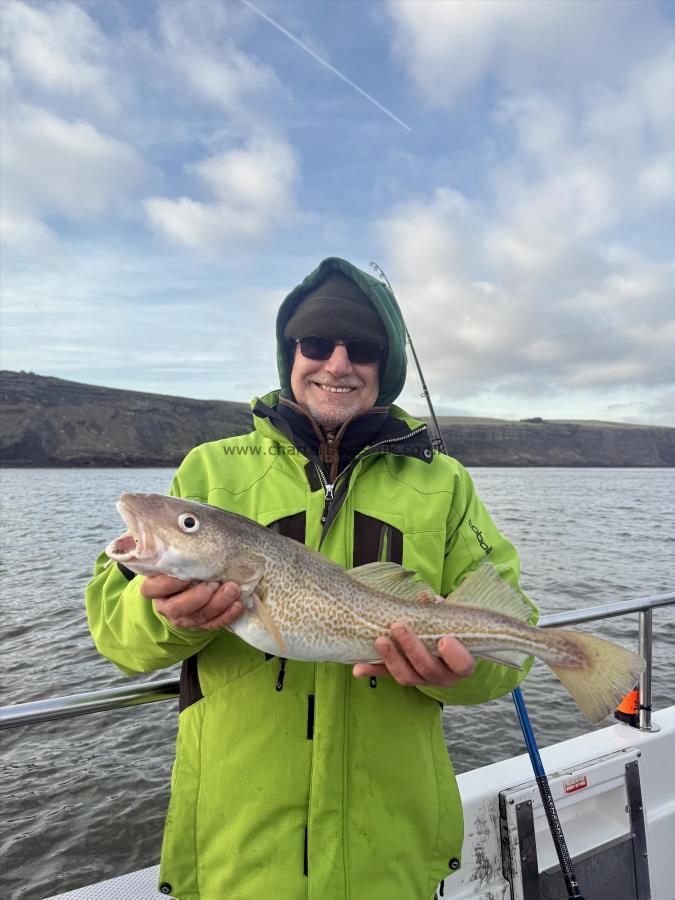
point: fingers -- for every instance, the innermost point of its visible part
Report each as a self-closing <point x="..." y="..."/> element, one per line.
<point x="409" y="662"/>
<point x="207" y="605"/>
<point x="368" y="670"/>
<point x="161" y="586"/>
<point x="456" y="656"/>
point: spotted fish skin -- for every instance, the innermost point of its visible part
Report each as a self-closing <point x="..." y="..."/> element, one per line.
<point x="300" y="605"/>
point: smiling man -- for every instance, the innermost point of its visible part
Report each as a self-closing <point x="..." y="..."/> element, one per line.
<point x="307" y="780"/>
<point x="332" y="379"/>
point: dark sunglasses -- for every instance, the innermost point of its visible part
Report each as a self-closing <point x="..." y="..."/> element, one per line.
<point x="321" y="348"/>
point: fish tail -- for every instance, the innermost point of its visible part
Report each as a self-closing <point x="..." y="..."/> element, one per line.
<point x="605" y="676"/>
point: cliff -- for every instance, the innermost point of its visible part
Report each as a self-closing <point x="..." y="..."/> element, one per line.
<point x="51" y="422"/>
<point x="538" y="442"/>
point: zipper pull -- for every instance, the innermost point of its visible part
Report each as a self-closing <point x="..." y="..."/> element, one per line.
<point x="328" y="488"/>
<point x="282" y="673"/>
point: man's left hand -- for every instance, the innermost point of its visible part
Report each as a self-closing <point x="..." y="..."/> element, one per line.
<point x="408" y="661"/>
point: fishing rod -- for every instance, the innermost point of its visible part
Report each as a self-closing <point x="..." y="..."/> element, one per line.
<point x="559" y="842"/>
<point x="437" y="441"/>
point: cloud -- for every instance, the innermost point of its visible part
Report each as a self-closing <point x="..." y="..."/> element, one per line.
<point x="63" y="72"/>
<point x="251" y="188"/>
<point x="58" y="161"/>
<point x="659" y="411"/>
<point x="583" y="167"/>
<point x="536" y="329"/>
<point x="20" y="229"/>
<point x="200" y="54"/>
<point x="129" y="317"/>
<point x="451" y="48"/>
<point x="57" y="49"/>
<point x="539" y="284"/>
<point x="54" y="167"/>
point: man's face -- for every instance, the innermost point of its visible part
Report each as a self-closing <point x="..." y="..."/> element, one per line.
<point x="354" y="387"/>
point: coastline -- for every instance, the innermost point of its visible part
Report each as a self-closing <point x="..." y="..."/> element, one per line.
<point x="49" y="422"/>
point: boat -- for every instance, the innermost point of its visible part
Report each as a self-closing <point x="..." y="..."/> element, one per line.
<point x="614" y="790"/>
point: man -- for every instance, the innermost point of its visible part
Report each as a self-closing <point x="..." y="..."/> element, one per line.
<point x="292" y="779"/>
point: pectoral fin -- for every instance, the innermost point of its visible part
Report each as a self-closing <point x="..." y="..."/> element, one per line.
<point x="247" y="572"/>
<point x="265" y="617"/>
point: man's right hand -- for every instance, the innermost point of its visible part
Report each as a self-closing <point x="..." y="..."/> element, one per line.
<point x="208" y="604"/>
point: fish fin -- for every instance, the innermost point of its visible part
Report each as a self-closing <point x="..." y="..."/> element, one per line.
<point x="608" y="673"/>
<point x="392" y="579"/>
<point x="247" y="572"/>
<point x="486" y="589"/>
<point x="266" y="618"/>
<point x="511" y="658"/>
<point x="428" y="597"/>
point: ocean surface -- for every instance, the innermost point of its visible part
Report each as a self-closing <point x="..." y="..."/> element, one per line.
<point x="84" y="799"/>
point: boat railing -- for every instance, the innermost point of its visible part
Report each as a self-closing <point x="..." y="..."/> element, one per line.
<point x="137" y="693"/>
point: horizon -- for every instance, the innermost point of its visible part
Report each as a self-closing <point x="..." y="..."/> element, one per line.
<point x="171" y="171"/>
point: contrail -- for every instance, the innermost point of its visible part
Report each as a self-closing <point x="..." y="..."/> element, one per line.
<point x="323" y="62"/>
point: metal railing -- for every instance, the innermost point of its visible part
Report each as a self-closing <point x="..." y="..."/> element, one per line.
<point x="167" y="688"/>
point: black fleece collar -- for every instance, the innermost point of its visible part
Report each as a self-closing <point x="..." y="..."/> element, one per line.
<point x="364" y="431"/>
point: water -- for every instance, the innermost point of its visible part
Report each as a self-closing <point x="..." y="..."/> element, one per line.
<point x="84" y="799"/>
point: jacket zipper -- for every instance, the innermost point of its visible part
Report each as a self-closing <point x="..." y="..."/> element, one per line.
<point x="329" y="488"/>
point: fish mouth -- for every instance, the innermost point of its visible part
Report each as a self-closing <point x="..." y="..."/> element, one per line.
<point x="139" y="542"/>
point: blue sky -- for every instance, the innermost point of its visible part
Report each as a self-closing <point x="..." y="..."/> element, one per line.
<point x="172" y="169"/>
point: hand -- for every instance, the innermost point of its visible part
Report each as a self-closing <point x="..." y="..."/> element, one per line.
<point x="206" y="605"/>
<point x="409" y="662"/>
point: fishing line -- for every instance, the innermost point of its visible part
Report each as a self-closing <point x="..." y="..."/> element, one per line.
<point x="559" y="842"/>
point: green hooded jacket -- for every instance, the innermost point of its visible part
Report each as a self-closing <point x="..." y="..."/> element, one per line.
<point x="298" y="780"/>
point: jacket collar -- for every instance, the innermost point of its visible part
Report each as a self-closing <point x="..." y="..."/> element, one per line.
<point x="400" y="433"/>
<point x="396" y="436"/>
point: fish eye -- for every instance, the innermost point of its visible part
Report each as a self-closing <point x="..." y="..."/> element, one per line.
<point x="188" y="522"/>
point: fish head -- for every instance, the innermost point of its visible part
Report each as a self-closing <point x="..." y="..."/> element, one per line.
<point x="177" y="537"/>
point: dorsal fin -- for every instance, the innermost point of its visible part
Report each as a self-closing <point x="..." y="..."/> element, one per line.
<point x="486" y="589"/>
<point x="390" y="578"/>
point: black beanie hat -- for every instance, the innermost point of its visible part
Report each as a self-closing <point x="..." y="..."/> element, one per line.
<point x="336" y="308"/>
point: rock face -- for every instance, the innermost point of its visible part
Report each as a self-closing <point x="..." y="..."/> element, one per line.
<point x="51" y="422"/>
<point x="551" y="443"/>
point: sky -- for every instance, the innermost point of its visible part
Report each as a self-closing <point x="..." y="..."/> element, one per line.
<point x="172" y="169"/>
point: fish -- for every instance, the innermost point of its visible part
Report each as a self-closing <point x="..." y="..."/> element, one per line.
<point x="300" y="605"/>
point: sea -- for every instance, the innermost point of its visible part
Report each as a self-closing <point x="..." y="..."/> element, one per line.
<point x="84" y="799"/>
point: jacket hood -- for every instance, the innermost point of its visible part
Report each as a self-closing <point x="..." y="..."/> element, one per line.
<point x="393" y="372"/>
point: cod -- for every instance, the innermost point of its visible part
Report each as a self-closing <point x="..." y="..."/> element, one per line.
<point x="300" y="605"/>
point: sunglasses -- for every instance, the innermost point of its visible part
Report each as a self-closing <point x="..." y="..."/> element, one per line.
<point x="321" y="348"/>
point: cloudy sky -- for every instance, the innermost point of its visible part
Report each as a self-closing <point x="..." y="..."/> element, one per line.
<point x="171" y="169"/>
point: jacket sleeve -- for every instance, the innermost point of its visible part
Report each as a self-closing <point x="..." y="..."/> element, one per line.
<point x="472" y="537"/>
<point x="125" y="625"/>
